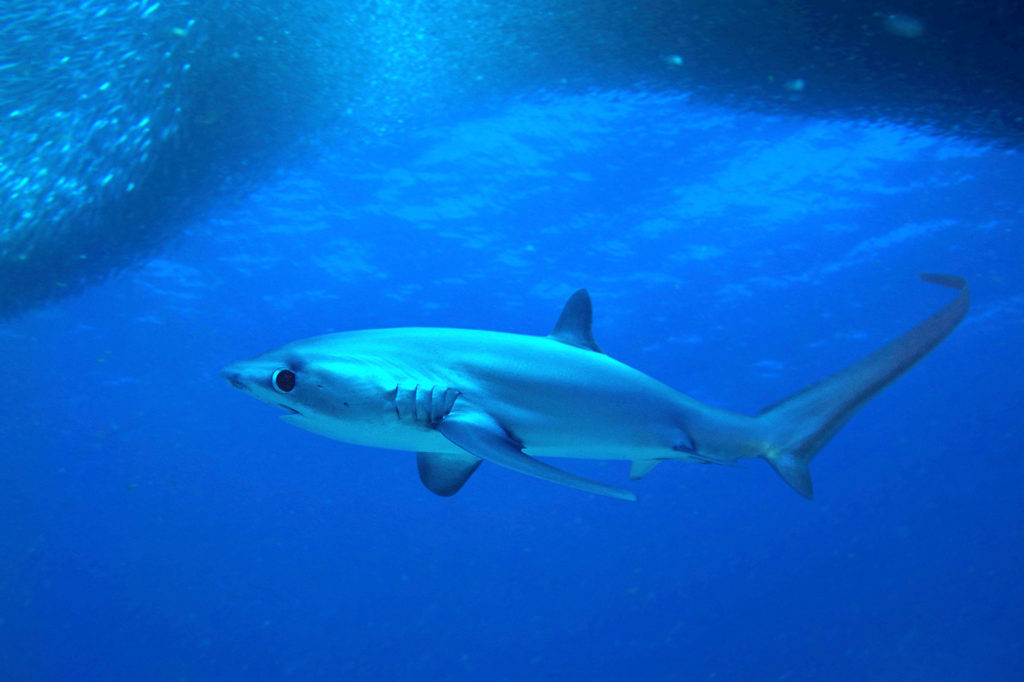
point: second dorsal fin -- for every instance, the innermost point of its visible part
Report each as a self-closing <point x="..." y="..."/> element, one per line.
<point x="575" y="324"/>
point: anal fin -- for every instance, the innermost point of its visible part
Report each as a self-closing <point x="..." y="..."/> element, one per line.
<point x="641" y="467"/>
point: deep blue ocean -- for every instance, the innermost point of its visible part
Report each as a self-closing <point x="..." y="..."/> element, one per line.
<point x="159" y="525"/>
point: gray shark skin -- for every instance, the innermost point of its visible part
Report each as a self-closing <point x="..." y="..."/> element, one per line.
<point x="459" y="397"/>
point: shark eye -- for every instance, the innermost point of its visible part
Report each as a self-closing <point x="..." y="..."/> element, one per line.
<point x="283" y="380"/>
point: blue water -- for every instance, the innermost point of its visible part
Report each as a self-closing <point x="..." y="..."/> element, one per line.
<point x="162" y="526"/>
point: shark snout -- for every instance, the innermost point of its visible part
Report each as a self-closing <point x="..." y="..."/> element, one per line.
<point x="233" y="377"/>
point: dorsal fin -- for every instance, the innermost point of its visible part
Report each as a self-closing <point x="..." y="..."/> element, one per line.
<point x="574" y="325"/>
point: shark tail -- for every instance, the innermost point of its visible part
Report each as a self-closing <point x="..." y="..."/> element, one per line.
<point x="794" y="429"/>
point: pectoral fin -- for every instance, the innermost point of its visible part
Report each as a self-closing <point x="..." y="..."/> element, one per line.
<point x="445" y="473"/>
<point x="481" y="435"/>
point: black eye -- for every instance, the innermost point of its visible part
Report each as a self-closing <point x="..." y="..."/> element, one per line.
<point x="283" y="380"/>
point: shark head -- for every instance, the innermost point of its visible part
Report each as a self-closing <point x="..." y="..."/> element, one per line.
<point x="337" y="395"/>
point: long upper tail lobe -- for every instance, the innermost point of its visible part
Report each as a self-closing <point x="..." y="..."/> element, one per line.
<point x="795" y="428"/>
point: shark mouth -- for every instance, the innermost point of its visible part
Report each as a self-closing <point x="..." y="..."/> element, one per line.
<point x="287" y="409"/>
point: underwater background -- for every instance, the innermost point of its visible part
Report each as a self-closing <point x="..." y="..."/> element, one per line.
<point x="748" y="190"/>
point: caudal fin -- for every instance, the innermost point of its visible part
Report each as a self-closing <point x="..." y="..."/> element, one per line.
<point x="796" y="428"/>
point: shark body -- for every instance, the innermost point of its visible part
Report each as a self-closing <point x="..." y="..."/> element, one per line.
<point x="459" y="397"/>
